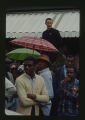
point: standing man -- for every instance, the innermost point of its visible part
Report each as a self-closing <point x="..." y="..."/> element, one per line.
<point x="31" y="89"/>
<point x="52" y="35"/>
<point x="60" y="74"/>
<point x="44" y="71"/>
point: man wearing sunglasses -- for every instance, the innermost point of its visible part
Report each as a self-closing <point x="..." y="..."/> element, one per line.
<point x="31" y="89"/>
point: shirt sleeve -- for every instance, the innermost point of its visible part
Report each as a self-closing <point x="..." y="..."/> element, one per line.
<point x="10" y="89"/>
<point x="8" y="84"/>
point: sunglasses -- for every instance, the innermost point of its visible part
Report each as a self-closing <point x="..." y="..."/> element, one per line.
<point x="13" y="69"/>
<point x="29" y="65"/>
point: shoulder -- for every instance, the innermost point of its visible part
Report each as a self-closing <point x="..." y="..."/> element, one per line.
<point x="8" y="84"/>
<point x="39" y="78"/>
<point x="44" y="31"/>
<point x="9" y="73"/>
<point x="21" y="77"/>
<point x="59" y="68"/>
<point x="53" y="29"/>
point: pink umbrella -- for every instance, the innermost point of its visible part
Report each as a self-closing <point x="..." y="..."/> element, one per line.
<point x="35" y="43"/>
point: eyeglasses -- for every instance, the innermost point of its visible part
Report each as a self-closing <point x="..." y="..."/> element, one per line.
<point x="29" y="65"/>
<point x="13" y="69"/>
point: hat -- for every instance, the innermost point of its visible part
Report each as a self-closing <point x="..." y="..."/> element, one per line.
<point x="8" y="61"/>
<point x="44" y="57"/>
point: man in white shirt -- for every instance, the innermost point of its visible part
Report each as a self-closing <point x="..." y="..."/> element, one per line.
<point x="10" y="89"/>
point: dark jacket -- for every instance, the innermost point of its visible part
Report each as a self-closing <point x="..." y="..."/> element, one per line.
<point x="52" y="35"/>
<point x="58" y="76"/>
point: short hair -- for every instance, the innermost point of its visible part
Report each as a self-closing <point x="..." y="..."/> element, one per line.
<point x="30" y="58"/>
<point x="70" y="56"/>
<point x="48" y="19"/>
<point x="47" y="63"/>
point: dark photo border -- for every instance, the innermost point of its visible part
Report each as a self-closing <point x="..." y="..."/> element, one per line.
<point x="14" y="6"/>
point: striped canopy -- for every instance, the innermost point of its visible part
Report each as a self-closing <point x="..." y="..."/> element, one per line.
<point x="35" y="43"/>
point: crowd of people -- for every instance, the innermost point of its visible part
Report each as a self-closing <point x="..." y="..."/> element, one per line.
<point x="31" y="87"/>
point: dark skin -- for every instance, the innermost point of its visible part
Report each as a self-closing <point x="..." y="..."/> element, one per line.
<point x="70" y="77"/>
<point x="69" y="61"/>
<point x="29" y="68"/>
<point x="31" y="96"/>
<point x="41" y="65"/>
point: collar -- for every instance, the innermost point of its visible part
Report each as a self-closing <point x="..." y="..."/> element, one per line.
<point x="28" y="76"/>
<point x="64" y="66"/>
<point x="49" y="28"/>
<point x="65" y="70"/>
<point x="44" y="70"/>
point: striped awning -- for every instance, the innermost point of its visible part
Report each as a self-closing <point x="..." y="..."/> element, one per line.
<point x="33" y="23"/>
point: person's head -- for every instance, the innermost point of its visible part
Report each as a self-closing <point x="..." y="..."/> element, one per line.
<point x="71" y="73"/>
<point x="7" y="63"/>
<point x="43" y="62"/>
<point x="13" y="67"/>
<point x="19" y="62"/>
<point x="70" y="60"/>
<point x="29" y="65"/>
<point x="49" y="22"/>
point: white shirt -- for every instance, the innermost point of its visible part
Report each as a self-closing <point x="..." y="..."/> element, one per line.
<point x="10" y="89"/>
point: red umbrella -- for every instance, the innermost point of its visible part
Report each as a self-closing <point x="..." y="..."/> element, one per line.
<point x="35" y="43"/>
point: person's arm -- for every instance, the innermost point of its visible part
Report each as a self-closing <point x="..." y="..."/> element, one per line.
<point x="59" y="43"/>
<point x="64" y="88"/>
<point x="23" y="95"/>
<point x="10" y="89"/>
<point x="31" y="96"/>
<point x="43" y="97"/>
<point x="66" y="79"/>
<point x="43" y="35"/>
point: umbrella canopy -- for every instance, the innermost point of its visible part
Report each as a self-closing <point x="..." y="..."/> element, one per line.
<point x="22" y="53"/>
<point x="35" y="43"/>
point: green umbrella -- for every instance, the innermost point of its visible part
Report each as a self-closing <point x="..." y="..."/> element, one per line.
<point x="22" y="53"/>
